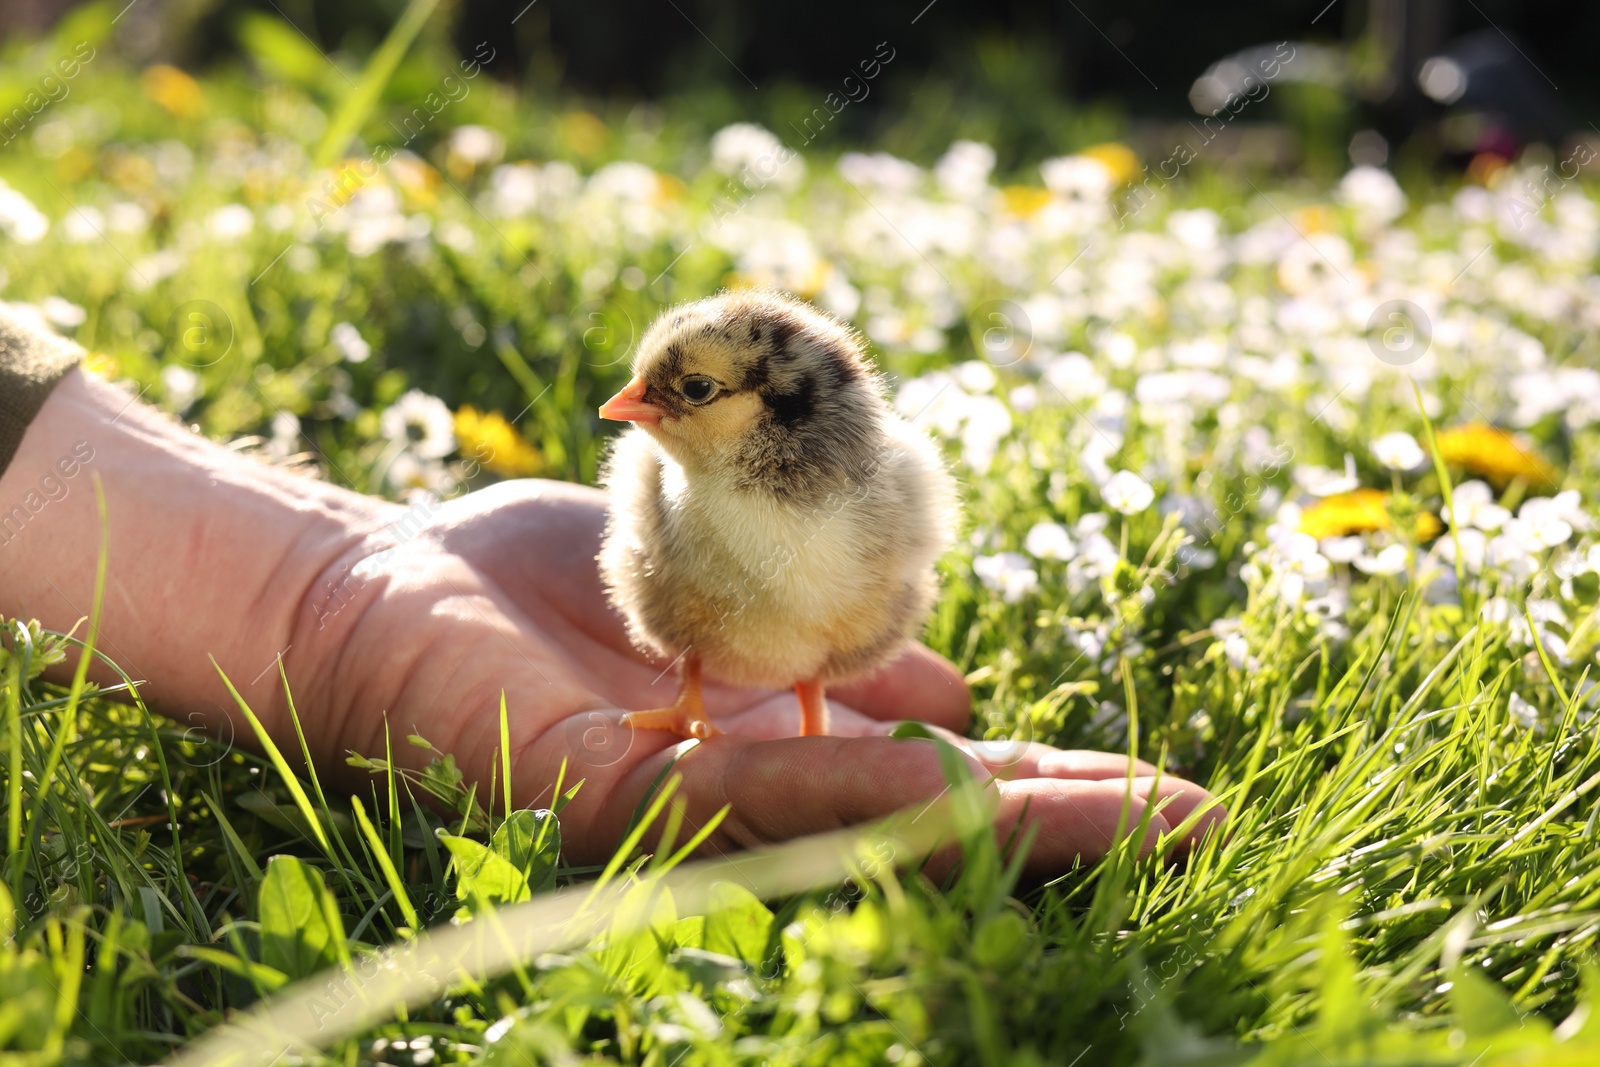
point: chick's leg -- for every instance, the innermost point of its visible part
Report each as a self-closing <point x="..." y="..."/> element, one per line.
<point x="813" y="708"/>
<point x="687" y="715"/>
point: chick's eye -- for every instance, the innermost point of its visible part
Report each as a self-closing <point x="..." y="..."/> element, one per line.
<point x="697" y="388"/>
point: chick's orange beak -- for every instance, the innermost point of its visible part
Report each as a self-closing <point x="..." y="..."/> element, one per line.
<point x="629" y="405"/>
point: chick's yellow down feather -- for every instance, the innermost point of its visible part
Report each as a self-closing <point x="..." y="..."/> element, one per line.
<point x="772" y="518"/>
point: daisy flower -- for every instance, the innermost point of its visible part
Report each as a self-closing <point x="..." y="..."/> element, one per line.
<point x="421" y="423"/>
<point x="1049" y="540"/>
<point x="1398" y="451"/>
<point x="1007" y="573"/>
<point x="1126" y="493"/>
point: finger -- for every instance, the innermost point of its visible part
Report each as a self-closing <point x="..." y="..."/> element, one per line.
<point x="1179" y="799"/>
<point x="917" y="684"/>
<point x="778" y="790"/>
<point x="1034" y="759"/>
<point x="1074" y="821"/>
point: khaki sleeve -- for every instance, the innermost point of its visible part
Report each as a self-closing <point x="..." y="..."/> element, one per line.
<point x="32" y="361"/>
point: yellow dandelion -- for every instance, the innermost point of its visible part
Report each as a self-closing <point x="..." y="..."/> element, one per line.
<point x="1117" y="158"/>
<point x="417" y="181"/>
<point x="1492" y="453"/>
<point x="583" y="133"/>
<point x="1313" y="218"/>
<point x="1024" y="201"/>
<point x="74" y="165"/>
<point x="101" y="364"/>
<point x="670" y="188"/>
<point x="171" y="89"/>
<point x="1359" y="511"/>
<point x="129" y="171"/>
<point x="348" y="178"/>
<point x="487" y="437"/>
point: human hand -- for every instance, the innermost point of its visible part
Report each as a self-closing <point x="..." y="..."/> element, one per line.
<point x="426" y="624"/>
<point x="421" y="618"/>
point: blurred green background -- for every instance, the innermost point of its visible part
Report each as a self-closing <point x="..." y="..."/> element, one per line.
<point x="1031" y="77"/>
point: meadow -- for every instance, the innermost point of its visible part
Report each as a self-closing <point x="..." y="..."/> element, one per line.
<point x="1287" y="485"/>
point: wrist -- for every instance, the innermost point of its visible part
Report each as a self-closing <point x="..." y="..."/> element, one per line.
<point x="211" y="554"/>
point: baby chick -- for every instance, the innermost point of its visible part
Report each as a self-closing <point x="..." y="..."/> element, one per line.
<point x="772" y="518"/>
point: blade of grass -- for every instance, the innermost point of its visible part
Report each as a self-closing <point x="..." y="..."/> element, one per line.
<point x="505" y="753"/>
<point x="296" y="790"/>
<point x="390" y="875"/>
<point x="358" y="104"/>
<point x="80" y="677"/>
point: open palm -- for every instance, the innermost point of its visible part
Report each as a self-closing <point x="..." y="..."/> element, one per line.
<point x="499" y="590"/>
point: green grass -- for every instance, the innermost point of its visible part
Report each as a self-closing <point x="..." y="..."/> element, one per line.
<point x="1411" y="873"/>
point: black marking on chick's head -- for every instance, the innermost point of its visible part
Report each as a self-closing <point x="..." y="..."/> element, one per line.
<point x="821" y="404"/>
<point x="794" y="405"/>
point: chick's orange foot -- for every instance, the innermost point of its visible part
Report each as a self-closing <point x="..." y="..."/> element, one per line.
<point x="686" y="717"/>
<point x="813" y="708"/>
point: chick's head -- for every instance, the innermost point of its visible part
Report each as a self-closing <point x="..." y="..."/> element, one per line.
<point x="755" y="380"/>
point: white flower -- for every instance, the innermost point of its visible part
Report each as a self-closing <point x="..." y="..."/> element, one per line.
<point x="1564" y="505"/>
<point x="1320" y="481"/>
<point x="410" y="472"/>
<point x="1555" y="646"/>
<point x="348" y="340"/>
<point x="181" y="386"/>
<point x="626" y="181"/>
<point x="1077" y="177"/>
<point x="1524" y="712"/>
<point x="1343" y="549"/>
<point x="987" y="421"/>
<point x="127" y="217"/>
<point x="880" y="170"/>
<point x="1373" y="194"/>
<point x="1181" y="389"/>
<point x="1127" y="493"/>
<point x="1497" y="609"/>
<point x="755" y="156"/>
<point x="230" y="222"/>
<point x="285" y="435"/>
<point x="422" y="423"/>
<point x="1540" y="524"/>
<point x="975" y="376"/>
<point x="1049" y="540"/>
<point x="1111" y="717"/>
<point x="1474" y="503"/>
<point x="963" y="171"/>
<point x="476" y="144"/>
<point x="23" y="222"/>
<point x="1097" y="555"/>
<point x="458" y="237"/>
<point x="1091" y="641"/>
<point x="1024" y="398"/>
<point x="1509" y="554"/>
<point x="1398" y="451"/>
<point x="1008" y="574"/>
<point x="1392" y="560"/>
<point x="1094" y="522"/>
<point x="1474" y="549"/>
<point x="1074" y="376"/>
<point x="1322" y="260"/>
<point x="62" y="312"/>
<point x="515" y="188"/>
<point x="83" y="224"/>
<point x="1236" y="649"/>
